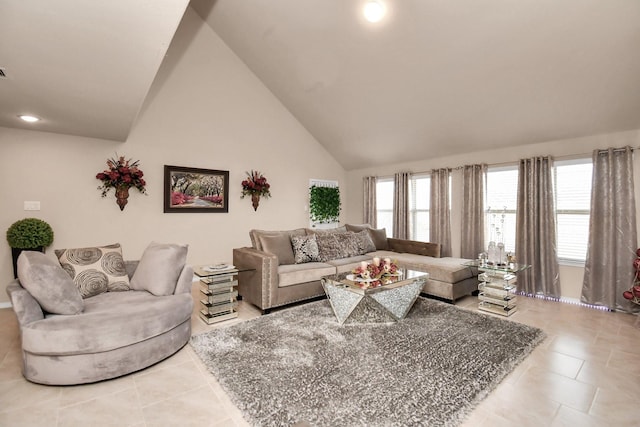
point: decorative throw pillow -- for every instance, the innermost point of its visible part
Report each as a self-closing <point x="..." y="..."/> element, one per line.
<point x="48" y="283"/>
<point x="95" y="270"/>
<point x="348" y="245"/>
<point x="365" y="244"/>
<point x="357" y="227"/>
<point x="305" y="249"/>
<point x="159" y="268"/>
<point x="327" y="246"/>
<point x="279" y="245"/>
<point x="379" y="238"/>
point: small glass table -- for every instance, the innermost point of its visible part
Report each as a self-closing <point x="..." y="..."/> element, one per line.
<point x="385" y="300"/>
<point x="497" y="285"/>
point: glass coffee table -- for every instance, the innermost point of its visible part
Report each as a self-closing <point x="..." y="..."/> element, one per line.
<point x="385" y="300"/>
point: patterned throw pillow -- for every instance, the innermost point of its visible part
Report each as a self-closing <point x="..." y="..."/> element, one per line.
<point x="305" y="249"/>
<point x="337" y="245"/>
<point x="365" y="244"/>
<point x="95" y="270"/>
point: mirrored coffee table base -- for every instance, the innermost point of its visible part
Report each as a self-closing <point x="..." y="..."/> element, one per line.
<point x="384" y="303"/>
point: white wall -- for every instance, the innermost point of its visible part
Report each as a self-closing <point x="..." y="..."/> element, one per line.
<point x="206" y="110"/>
<point x="570" y="276"/>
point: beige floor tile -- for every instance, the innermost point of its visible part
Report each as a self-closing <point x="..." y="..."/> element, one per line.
<point x="36" y="414"/>
<point x="165" y="383"/>
<point x="117" y="409"/>
<point x="569" y="417"/>
<point x="558" y="388"/>
<point x="20" y="393"/>
<point x="557" y="363"/>
<point x="610" y="377"/>
<point x="197" y="407"/>
<point x="630" y="362"/>
<point x="620" y="409"/>
<point x="73" y="395"/>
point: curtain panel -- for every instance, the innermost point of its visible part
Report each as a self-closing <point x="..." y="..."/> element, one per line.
<point x="536" y="229"/>
<point x="369" y="214"/>
<point x="439" y="214"/>
<point x="401" y="205"/>
<point x="473" y="187"/>
<point x="612" y="231"/>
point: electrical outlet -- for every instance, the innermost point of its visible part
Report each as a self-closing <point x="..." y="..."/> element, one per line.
<point x="31" y="206"/>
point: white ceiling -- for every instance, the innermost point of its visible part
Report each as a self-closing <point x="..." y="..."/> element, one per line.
<point x="441" y="77"/>
<point x="434" y="78"/>
<point x="84" y="67"/>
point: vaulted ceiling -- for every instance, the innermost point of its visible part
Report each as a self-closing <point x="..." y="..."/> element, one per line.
<point x="433" y="78"/>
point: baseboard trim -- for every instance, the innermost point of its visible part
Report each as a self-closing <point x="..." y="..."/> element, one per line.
<point x="5" y="305"/>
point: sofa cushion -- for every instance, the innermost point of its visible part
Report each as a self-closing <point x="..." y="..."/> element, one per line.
<point x="365" y="244"/>
<point x="379" y="237"/>
<point x="110" y="320"/>
<point x="255" y="235"/>
<point x="305" y="249"/>
<point x="296" y="274"/>
<point x="342" y="229"/>
<point x="95" y="269"/>
<point x="357" y="227"/>
<point x="48" y="283"/>
<point x="279" y="245"/>
<point x="159" y="268"/>
<point x="447" y="269"/>
<point x="345" y="265"/>
<point x="337" y="245"/>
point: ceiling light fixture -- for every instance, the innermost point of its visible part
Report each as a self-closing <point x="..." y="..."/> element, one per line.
<point x="374" y="10"/>
<point x="29" y="119"/>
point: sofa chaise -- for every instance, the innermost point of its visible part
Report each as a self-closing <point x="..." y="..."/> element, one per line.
<point x="273" y="274"/>
<point x="68" y="339"/>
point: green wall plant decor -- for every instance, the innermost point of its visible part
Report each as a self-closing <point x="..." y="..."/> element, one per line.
<point x="324" y="204"/>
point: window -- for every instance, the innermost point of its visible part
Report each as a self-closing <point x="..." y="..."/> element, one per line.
<point x="501" y="200"/>
<point x="573" y="204"/>
<point x="419" y="201"/>
<point x="384" y="204"/>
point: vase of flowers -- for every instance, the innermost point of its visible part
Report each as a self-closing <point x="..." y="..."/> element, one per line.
<point x="121" y="175"/>
<point x="376" y="272"/>
<point x="256" y="186"/>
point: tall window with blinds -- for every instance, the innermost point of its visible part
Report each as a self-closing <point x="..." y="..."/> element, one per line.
<point x="384" y="204"/>
<point x="501" y="200"/>
<point x="419" y="199"/>
<point x="573" y="204"/>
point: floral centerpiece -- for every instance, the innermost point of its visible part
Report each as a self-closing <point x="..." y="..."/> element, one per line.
<point x="255" y="185"/>
<point x="121" y="175"/>
<point x="376" y="270"/>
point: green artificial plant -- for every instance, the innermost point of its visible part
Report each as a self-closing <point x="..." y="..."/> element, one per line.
<point x="29" y="233"/>
<point x="324" y="204"/>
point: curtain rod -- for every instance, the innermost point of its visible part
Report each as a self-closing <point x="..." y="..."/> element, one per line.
<point x="566" y="156"/>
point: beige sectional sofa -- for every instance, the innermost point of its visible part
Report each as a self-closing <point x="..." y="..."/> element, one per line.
<point x="270" y="276"/>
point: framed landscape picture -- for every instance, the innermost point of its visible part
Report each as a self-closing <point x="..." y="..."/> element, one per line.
<point x="195" y="190"/>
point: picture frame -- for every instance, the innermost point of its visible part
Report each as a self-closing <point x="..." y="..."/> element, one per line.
<point x="195" y="190"/>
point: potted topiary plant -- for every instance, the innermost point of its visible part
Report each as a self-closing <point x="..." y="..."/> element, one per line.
<point x="324" y="204"/>
<point x="30" y="234"/>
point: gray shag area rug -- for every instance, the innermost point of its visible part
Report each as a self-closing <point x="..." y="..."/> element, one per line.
<point x="299" y="365"/>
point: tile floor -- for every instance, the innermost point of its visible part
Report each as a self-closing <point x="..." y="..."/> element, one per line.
<point x="586" y="373"/>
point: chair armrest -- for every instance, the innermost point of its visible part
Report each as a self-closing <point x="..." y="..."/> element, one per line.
<point x="185" y="281"/>
<point x="24" y="305"/>
<point x="258" y="284"/>
<point x="414" y="247"/>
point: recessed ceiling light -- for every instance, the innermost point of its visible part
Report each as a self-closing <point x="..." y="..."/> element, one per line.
<point x="374" y="10"/>
<point x="29" y="119"/>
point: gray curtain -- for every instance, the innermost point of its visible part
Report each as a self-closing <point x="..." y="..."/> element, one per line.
<point x="536" y="229"/>
<point x="369" y="214"/>
<point x="439" y="214"/>
<point x="472" y="239"/>
<point x="401" y="205"/>
<point x="612" y="230"/>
